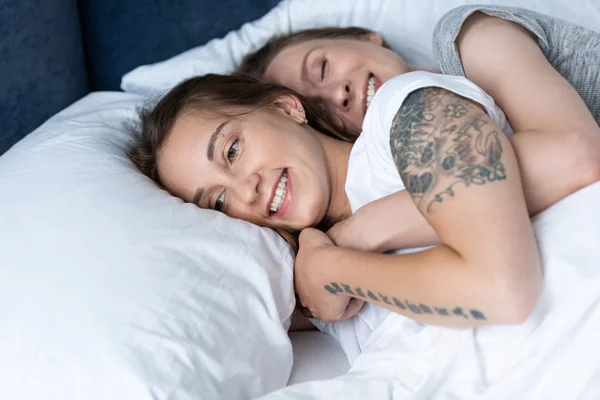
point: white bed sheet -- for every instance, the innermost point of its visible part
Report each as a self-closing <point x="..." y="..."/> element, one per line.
<point x="553" y="355"/>
<point x="316" y="356"/>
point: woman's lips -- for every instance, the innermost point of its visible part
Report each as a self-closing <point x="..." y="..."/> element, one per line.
<point x="378" y="83"/>
<point x="273" y="192"/>
<point x="288" y="196"/>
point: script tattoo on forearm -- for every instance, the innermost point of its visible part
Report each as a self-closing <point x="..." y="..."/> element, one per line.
<point x="403" y="304"/>
<point x="438" y="141"/>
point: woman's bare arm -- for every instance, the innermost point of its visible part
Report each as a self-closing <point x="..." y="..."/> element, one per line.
<point x="462" y="174"/>
<point x="558" y="141"/>
<point x="390" y="223"/>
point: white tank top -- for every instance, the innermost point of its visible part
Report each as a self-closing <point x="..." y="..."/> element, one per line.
<point x="372" y="174"/>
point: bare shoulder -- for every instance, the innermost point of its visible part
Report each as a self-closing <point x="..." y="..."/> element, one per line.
<point x="488" y="45"/>
<point x="506" y="61"/>
<point x="480" y="28"/>
<point x="440" y="141"/>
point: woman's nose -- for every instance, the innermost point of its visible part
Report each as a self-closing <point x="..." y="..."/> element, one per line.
<point x="340" y="94"/>
<point x="247" y="188"/>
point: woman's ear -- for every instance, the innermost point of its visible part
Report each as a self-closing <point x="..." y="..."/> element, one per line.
<point x="291" y="106"/>
<point x="373" y="37"/>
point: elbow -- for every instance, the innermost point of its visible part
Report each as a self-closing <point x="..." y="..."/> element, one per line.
<point x="517" y="300"/>
<point x="593" y="172"/>
<point x="519" y="310"/>
<point x="586" y="162"/>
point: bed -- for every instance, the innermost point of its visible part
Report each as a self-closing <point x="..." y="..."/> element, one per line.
<point x="75" y="53"/>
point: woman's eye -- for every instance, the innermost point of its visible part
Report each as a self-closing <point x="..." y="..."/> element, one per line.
<point x="220" y="202"/>
<point x="323" y="67"/>
<point x="233" y="150"/>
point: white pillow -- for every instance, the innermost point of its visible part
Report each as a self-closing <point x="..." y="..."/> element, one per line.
<point x="112" y="289"/>
<point x="407" y="25"/>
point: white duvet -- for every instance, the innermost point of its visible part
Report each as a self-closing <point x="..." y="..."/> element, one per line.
<point x="555" y="354"/>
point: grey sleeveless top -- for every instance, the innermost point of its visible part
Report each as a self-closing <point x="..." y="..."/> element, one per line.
<point x="572" y="50"/>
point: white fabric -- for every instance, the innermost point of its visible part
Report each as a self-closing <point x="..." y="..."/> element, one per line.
<point x="316" y="356"/>
<point x="372" y="174"/>
<point x="553" y="355"/>
<point x="110" y="288"/>
<point x="407" y="25"/>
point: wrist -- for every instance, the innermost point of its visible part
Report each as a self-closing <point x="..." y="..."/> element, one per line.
<point x="336" y="266"/>
<point x="373" y="235"/>
<point x="345" y="269"/>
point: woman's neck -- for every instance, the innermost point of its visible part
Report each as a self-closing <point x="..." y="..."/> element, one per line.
<point x="337" y="154"/>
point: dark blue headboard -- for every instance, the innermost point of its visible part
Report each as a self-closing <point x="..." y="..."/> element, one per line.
<point x="52" y="52"/>
<point x="119" y="35"/>
<point x="42" y="66"/>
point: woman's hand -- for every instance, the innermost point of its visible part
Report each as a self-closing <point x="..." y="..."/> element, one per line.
<point x="359" y="232"/>
<point x="347" y="234"/>
<point x="313" y="279"/>
<point x="390" y="223"/>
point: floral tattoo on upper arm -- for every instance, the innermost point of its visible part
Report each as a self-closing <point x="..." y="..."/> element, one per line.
<point x="440" y="140"/>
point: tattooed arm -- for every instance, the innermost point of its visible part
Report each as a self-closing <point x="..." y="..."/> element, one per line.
<point x="461" y="172"/>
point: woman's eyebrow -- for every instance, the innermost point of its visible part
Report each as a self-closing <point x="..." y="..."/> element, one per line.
<point x="197" y="196"/>
<point x="210" y="154"/>
<point x="210" y="150"/>
<point x="304" y="73"/>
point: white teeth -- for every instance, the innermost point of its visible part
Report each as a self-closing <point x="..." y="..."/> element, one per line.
<point x="279" y="193"/>
<point x="370" y="90"/>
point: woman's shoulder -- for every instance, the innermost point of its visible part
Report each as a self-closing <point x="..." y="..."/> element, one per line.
<point x="393" y="93"/>
<point x="469" y="19"/>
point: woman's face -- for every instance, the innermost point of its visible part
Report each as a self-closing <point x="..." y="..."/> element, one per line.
<point x="343" y="72"/>
<point x="265" y="167"/>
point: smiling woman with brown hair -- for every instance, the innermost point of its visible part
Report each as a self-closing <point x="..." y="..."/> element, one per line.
<point x="242" y="147"/>
<point x="440" y="137"/>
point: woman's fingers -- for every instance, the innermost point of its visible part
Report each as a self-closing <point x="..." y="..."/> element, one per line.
<point x="354" y="306"/>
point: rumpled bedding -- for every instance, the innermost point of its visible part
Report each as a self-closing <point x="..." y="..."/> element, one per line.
<point x="555" y="354"/>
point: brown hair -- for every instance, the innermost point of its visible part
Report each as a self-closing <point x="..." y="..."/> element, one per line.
<point x="256" y="63"/>
<point x="219" y="94"/>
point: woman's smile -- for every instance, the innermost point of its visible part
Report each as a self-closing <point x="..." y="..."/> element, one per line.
<point x="282" y="195"/>
<point x="372" y="85"/>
